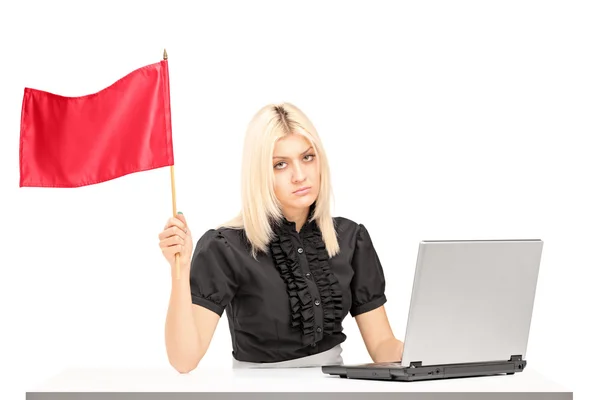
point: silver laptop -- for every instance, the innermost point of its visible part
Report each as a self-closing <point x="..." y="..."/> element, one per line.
<point x="470" y="312"/>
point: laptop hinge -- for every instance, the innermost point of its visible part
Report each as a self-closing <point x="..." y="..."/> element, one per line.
<point x="415" y="364"/>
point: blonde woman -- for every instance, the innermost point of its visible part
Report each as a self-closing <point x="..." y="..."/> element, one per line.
<point x="286" y="271"/>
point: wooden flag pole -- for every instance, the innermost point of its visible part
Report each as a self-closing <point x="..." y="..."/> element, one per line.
<point x="173" y="197"/>
<point x="174" y="213"/>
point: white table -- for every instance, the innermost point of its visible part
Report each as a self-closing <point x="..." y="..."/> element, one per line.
<point x="301" y="383"/>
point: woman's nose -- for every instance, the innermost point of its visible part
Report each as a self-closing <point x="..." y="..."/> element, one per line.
<point x="298" y="174"/>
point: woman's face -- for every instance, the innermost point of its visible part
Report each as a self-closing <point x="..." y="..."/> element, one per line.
<point x="295" y="166"/>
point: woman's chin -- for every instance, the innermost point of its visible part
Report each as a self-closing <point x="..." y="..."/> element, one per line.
<point x="302" y="201"/>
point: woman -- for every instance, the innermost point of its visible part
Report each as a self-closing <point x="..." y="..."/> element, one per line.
<point x="286" y="271"/>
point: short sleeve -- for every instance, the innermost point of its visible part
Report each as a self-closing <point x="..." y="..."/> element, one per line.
<point x="212" y="278"/>
<point x="368" y="283"/>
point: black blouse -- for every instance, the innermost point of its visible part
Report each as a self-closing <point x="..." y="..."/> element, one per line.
<point x="289" y="303"/>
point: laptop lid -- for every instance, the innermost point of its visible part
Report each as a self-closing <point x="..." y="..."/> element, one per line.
<point x="471" y="301"/>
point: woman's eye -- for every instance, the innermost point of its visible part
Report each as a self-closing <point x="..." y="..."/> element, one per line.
<point x="282" y="164"/>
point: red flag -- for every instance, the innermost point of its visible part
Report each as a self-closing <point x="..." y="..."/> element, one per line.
<point x="78" y="141"/>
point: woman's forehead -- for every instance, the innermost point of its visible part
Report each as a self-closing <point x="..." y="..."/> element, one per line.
<point x="291" y="145"/>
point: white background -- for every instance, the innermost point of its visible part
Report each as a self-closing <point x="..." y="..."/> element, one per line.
<point x="442" y="120"/>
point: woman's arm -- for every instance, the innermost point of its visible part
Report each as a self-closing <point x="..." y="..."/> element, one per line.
<point x="378" y="336"/>
<point x="189" y="328"/>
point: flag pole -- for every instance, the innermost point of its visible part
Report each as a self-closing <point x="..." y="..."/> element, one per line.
<point x="173" y="197"/>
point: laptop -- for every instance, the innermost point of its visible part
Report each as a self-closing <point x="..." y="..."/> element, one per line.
<point x="470" y="312"/>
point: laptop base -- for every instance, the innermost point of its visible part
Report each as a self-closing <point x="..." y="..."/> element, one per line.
<point x="418" y="372"/>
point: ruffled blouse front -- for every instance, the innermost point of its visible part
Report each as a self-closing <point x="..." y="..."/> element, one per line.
<point x="291" y="302"/>
<point x="314" y="291"/>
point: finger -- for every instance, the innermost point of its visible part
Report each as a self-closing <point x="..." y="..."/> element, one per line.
<point x="178" y="227"/>
<point x="174" y="222"/>
<point x="181" y="217"/>
<point x="172" y="231"/>
<point x="171" y="250"/>
<point x="171" y="241"/>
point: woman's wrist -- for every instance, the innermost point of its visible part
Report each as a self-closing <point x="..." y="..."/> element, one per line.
<point x="184" y="271"/>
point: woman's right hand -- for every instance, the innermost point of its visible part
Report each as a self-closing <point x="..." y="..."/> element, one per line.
<point x="175" y="238"/>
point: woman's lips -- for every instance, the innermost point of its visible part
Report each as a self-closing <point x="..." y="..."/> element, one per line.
<point x="302" y="191"/>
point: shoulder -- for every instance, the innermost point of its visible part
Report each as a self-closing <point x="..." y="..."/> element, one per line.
<point x="344" y="224"/>
<point x="346" y="227"/>
<point x="211" y="237"/>
<point x="215" y="253"/>
<point x="221" y="239"/>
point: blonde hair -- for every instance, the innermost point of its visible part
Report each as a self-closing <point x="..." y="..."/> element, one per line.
<point x="260" y="206"/>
